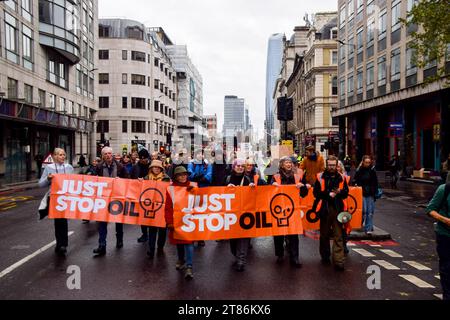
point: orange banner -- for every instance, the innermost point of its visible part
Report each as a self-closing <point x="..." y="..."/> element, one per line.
<point x="108" y="199"/>
<point x="236" y="212"/>
<point x="354" y="207"/>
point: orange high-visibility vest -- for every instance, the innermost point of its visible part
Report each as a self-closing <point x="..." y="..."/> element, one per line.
<point x="298" y="178"/>
<point x="322" y="188"/>
<point x="255" y="179"/>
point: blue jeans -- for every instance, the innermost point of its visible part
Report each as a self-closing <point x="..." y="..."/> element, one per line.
<point x="443" y="251"/>
<point x="186" y="253"/>
<point x="103" y="232"/>
<point x="368" y="210"/>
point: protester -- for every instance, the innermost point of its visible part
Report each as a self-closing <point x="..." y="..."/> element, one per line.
<point x="140" y="171"/>
<point x="91" y="170"/>
<point x="155" y="156"/>
<point x="445" y="172"/>
<point x="82" y="161"/>
<point x="109" y="167"/>
<point x="57" y="167"/>
<point x="185" y="249"/>
<point x="331" y="189"/>
<point x="199" y="170"/>
<point x="312" y="164"/>
<point x="439" y="209"/>
<point x="347" y="164"/>
<point x="39" y="158"/>
<point x="127" y="163"/>
<point x="134" y="157"/>
<point x="366" y="177"/>
<point x="287" y="176"/>
<point x="253" y="172"/>
<point x="239" y="247"/>
<point x="156" y="173"/>
<point x="180" y="159"/>
<point x="219" y="169"/>
<point x="394" y="168"/>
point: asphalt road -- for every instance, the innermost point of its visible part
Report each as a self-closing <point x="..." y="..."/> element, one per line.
<point x="128" y="273"/>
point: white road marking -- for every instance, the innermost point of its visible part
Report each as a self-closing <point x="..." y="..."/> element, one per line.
<point x="439" y="296"/>
<point x="416" y="281"/>
<point x="437" y="277"/>
<point x="391" y="253"/>
<point x="363" y="252"/>
<point x="386" y="265"/>
<point x="376" y="245"/>
<point x="417" y="265"/>
<point x="350" y="244"/>
<point x="29" y="257"/>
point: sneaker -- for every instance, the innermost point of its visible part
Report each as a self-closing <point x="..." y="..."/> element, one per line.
<point x="188" y="274"/>
<point x="142" y="239"/>
<point x="179" y="265"/>
<point x="369" y="233"/>
<point x="100" y="251"/>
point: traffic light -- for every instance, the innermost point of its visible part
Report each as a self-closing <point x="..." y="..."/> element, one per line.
<point x="289" y="109"/>
<point x="285" y="109"/>
<point x="162" y="149"/>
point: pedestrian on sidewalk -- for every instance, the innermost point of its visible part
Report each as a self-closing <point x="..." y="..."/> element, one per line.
<point x="185" y="249"/>
<point x="156" y="173"/>
<point x="394" y="168"/>
<point x="111" y="168"/>
<point x="331" y="189"/>
<point x="366" y="177"/>
<point x="57" y="167"/>
<point x="140" y="171"/>
<point x="239" y="247"/>
<point x="287" y="176"/>
<point x="439" y="209"/>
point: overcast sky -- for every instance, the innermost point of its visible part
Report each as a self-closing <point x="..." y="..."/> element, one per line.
<point x="226" y="39"/>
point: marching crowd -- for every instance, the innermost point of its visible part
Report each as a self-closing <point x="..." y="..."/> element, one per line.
<point x="328" y="178"/>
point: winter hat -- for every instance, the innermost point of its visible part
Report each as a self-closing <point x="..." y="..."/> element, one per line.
<point x="179" y="170"/>
<point x="143" y="154"/>
<point x="157" y="163"/>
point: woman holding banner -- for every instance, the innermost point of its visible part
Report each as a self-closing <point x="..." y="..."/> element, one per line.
<point x="288" y="176"/>
<point x="239" y="247"/>
<point x="58" y="167"/>
<point x="156" y="173"/>
<point x="185" y="249"/>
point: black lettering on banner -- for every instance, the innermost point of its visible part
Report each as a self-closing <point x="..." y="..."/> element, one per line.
<point x="244" y="225"/>
<point x="151" y="200"/>
<point x="115" y="211"/>
<point x="309" y="217"/>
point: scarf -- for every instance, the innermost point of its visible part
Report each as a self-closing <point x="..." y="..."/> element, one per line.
<point x="159" y="177"/>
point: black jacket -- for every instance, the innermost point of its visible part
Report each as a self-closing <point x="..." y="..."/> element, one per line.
<point x="219" y="174"/>
<point x="139" y="170"/>
<point x="367" y="179"/>
<point x="233" y="178"/>
<point x="331" y="183"/>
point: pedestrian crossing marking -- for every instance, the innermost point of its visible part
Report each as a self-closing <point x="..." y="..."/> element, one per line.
<point x="417" y="265"/>
<point x="437" y="277"/>
<point x="391" y="253"/>
<point x="416" y="281"/>
<point x="439" y="296"/>
<point x="363" y="252"/>
<point x="386" y="265"/>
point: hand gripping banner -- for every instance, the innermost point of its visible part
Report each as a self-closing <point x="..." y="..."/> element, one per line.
<point x="236" y="212"/>
<point x="108" y="199"/>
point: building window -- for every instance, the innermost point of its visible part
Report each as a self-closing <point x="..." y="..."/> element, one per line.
<point x="359" y="39"/>
<point x="395" y="64"/>
<point x="124" y="54"/>
<point x="27" y="47"/>
<point x="137" y="103"/>
<point x="124" y="78"/>
<point x="411" y="67"/>
<point x="156" y="64"/>
<point x="350" y="84"/>
<point x="161" y="67"/>
<point x="52" y="99"/>
<point x="359" y="81"/>
<point x="11" y="35"/>
<point x="138" y="79"/>
<point x="342" y="52"/>
<point x="370" y="7"/>
<point x="359" y="5"/>
<point x="103" y="31"/>
<point x="156" y="106"/>
<point x="62" y="104"/>
<point x="382" y="70"/>
<point x="28" y="93"/>
<point x="342" y="17"/>
<point x="382" y="24"/>
<point x="161" y="108"/>
<point x="395" y="15"/>
<point x="334" y="57"/>
<point x="124" y="126"/>
<point x="369" y="75"/>
<point x="351" y="47"/>
<point x="135" y="33"/>
<point x="351" y="9"/>
<point x="138" y="56"/>
<point x="334" y="86"/>
<point x="409" y="6"/>
<point x="103" y="54"/>
<point x="42" y="98"/>
<point x="334" y="33"/>
<point x="370" y="31"/>
<point x="57" y="71"/>
<point x="103" y="102"/>
<point x="102" y="126"/>
<point x="103" y="78"/>
<point x="166" y="109"/>
<point x="342" y="88"/>
<point x="156" y="84"/>
<point x="124" y="102"/>
<point x="137" y="126"/>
